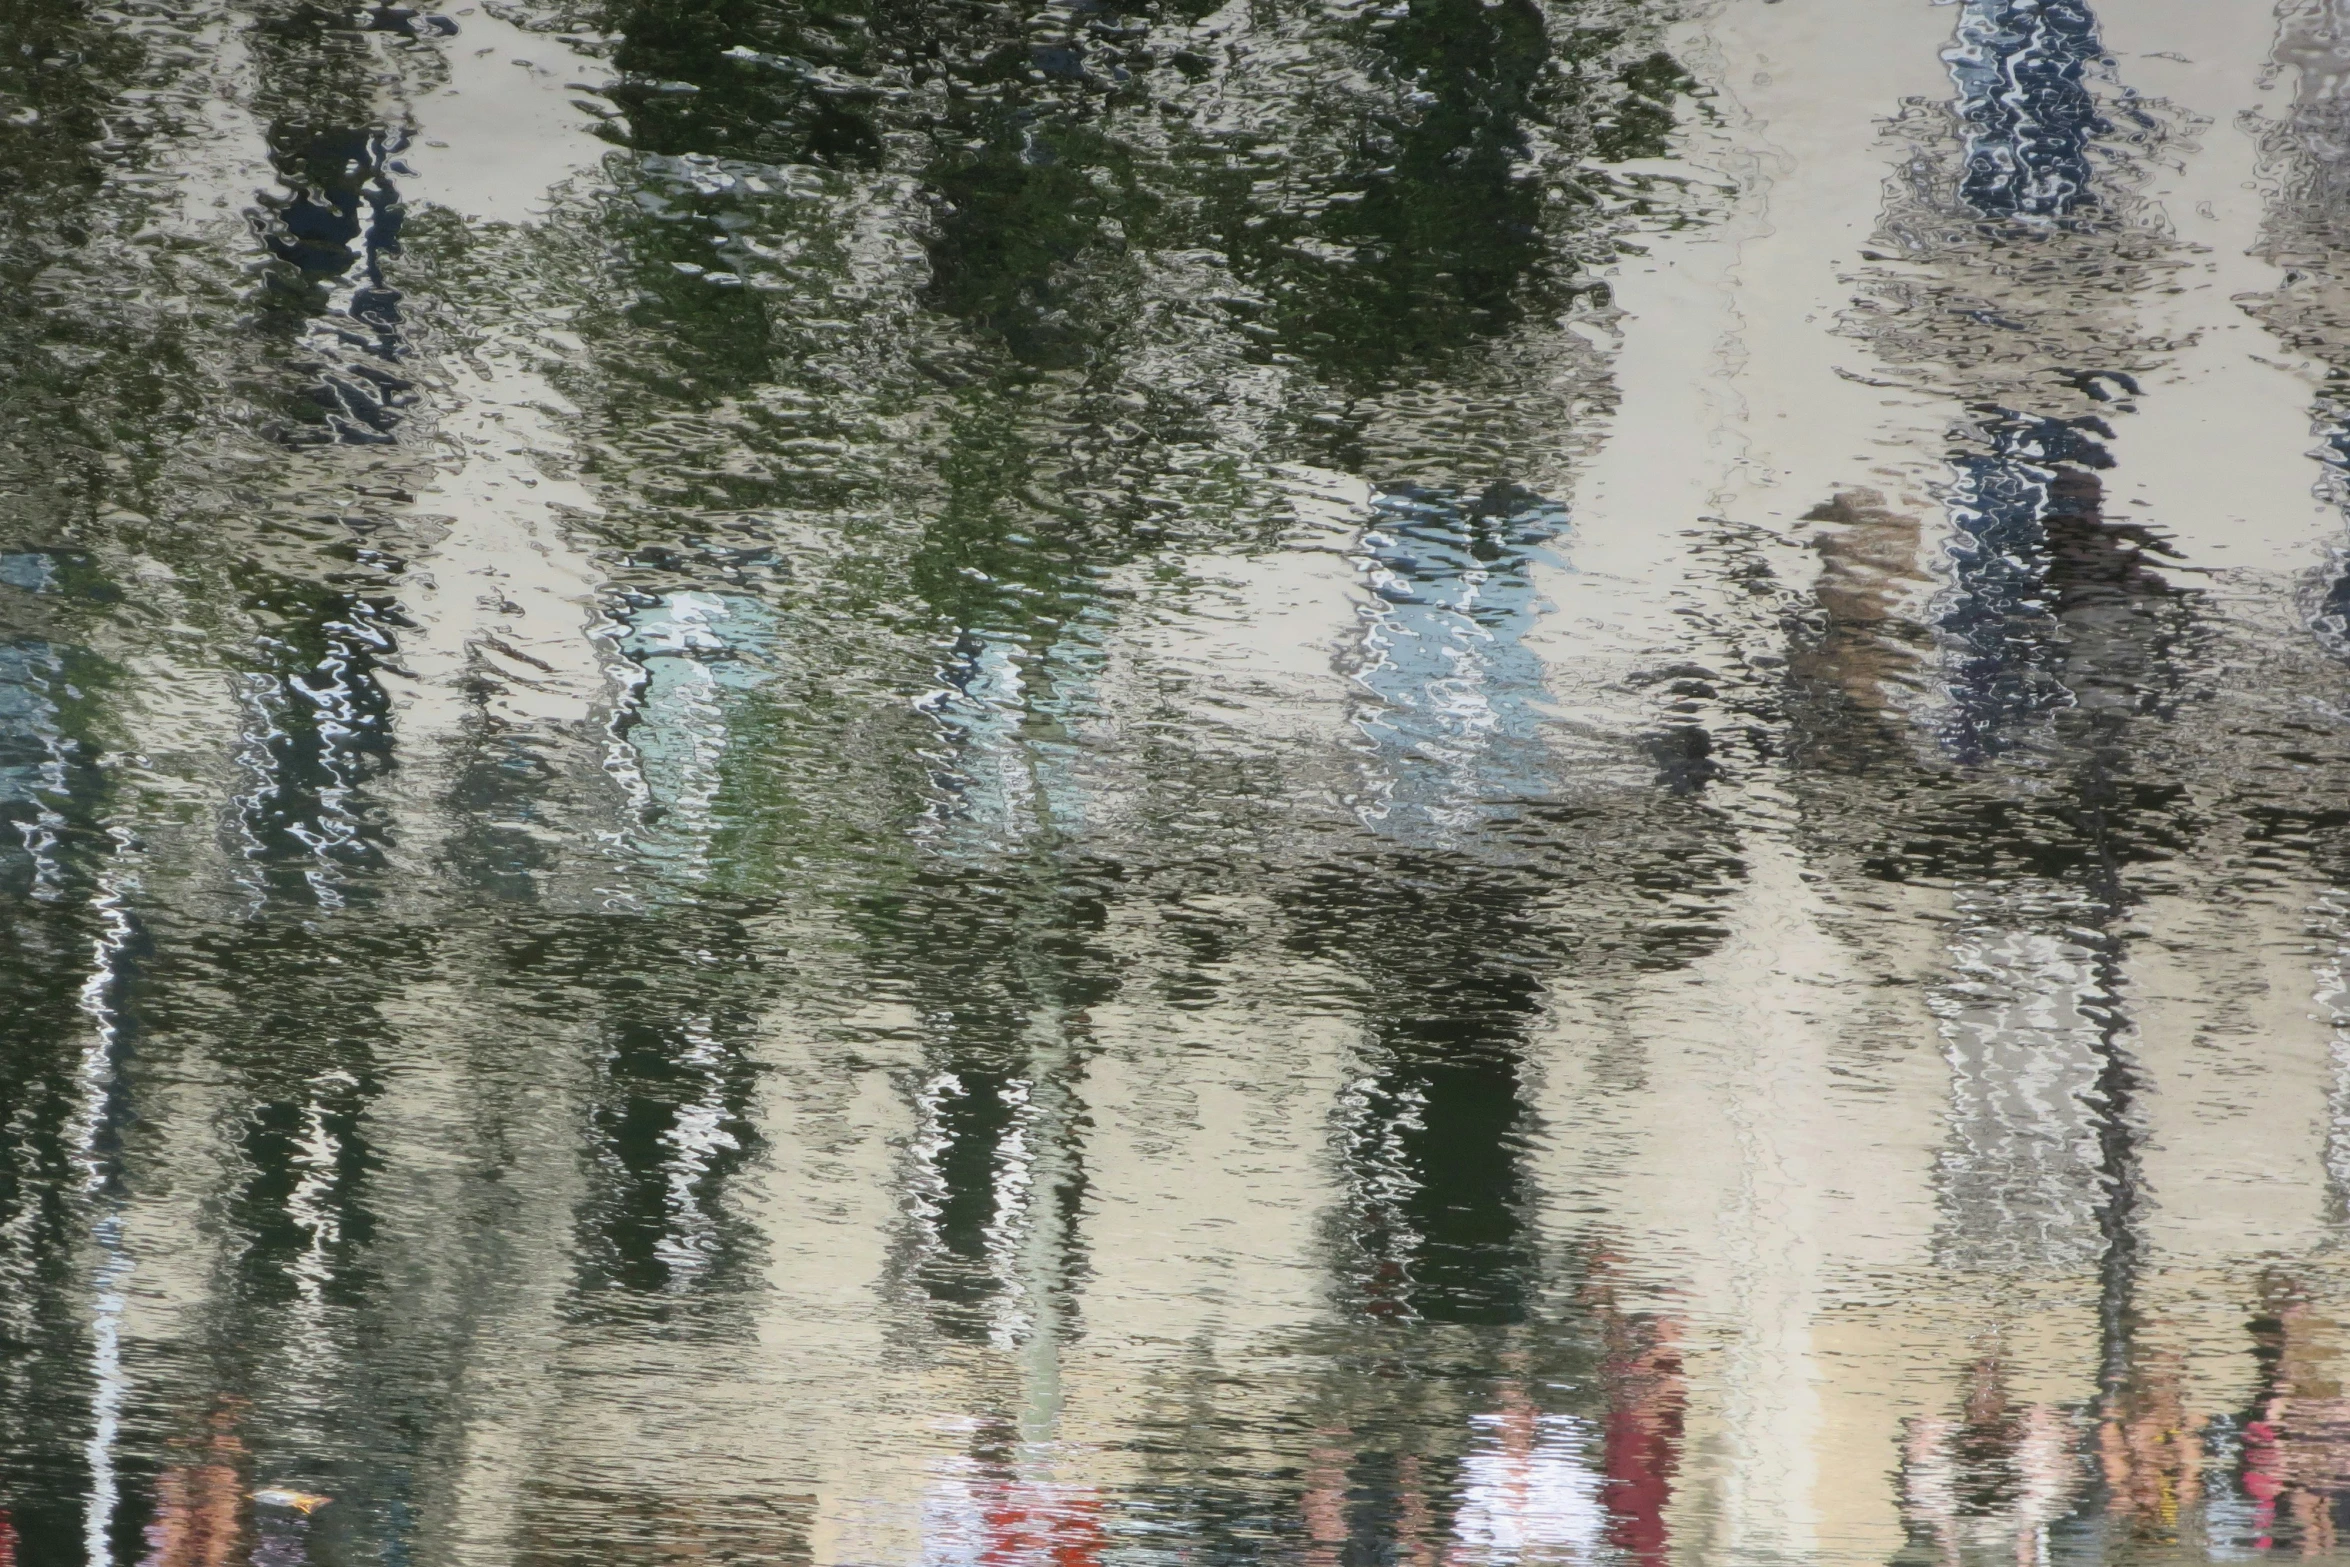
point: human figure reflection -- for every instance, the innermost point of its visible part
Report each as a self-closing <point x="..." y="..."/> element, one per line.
<point x="2059" y="640"/>
<point x="1567" y="1451"/>
<point x="199" y="1517"/>
<point x="2295" y="1457"/>
<point x="989" y="1508"/>
<point x="2007" y="714"/>
<point x="1646" y="1391"/>
<point x="2041" y="1174"/>
<point x="1994" y="1477"/>
<point x="2148" y="1447"/>
<point x="1529" y="1487"/>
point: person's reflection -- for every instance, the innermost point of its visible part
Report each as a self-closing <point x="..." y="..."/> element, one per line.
<point x="282" y="1538"/>
<point x="1641" y="1440"/>
<point x="1324" y="1503"/>
<point x="1993" y="1478"/>
<point x="1415" y="1519"/>
<point x="2296" y="1438"/>
<point x="1534" y="1485"/>
<point x="2059" y="640"/>
<point x="200" y="1499"/>
<point x="988" y="1510"/>
<point x="1529" y="1489"/>
<point x="2149" y="1448"/>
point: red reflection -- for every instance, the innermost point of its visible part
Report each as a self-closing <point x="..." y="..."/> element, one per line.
<point x="1641" y="1443"/>
<point x="1029" y="1525"/>
<point x="985" y="1512"/>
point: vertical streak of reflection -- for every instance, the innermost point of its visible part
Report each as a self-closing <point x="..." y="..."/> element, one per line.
<point x="98" y="1157"/>
<point x="2332" y="917"/>
<point x="2019" y="67"/>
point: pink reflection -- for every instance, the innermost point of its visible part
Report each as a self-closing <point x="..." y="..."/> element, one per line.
<point x="1992" y="1479"/>
<point x="2296" y="1454"/>
<point x="200" y="1500"/>
<point x="1642" y="1447"/>
<point x="1325" y="1499"/>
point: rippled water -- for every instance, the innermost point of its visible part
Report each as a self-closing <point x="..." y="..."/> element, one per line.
<point x="935" y="782"/>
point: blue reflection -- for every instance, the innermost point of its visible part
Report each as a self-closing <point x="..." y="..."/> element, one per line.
<point x="1454" y="721"/>
<point x="34" y="755"/>
<point x="2021" y="67"/>
<point x="30" y="570"/>
<point x="1006" y="711"/>
<point x="2000" y="612"/>
<point x="695" y="655"/>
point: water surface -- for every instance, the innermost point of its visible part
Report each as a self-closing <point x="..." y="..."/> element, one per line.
<point x="917" y="783"/>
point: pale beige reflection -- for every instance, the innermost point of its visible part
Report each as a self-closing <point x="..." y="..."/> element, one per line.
<point x="1741" y="405"/>
<point x="1764" y="1132"/>
<point x="510" y="123"/>
<point x="2226" y="384"/>
<point x="1770" y="1131"/>
<point x="853" y="1424"/>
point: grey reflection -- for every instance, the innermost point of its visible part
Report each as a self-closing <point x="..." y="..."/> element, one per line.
<point x="317" y="734"/>
<point x="1432" y="1135"/>
<point x="2025" y="1024"/>
<point x="316" y="712"/>
<point x="983" y="1139"/>
<point x="2308" y="147"/>
<point x="2308" y="151"/>
<point x="2333" y="996"/>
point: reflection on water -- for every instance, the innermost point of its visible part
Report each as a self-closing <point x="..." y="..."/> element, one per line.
<point x="1450" y="783"/>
